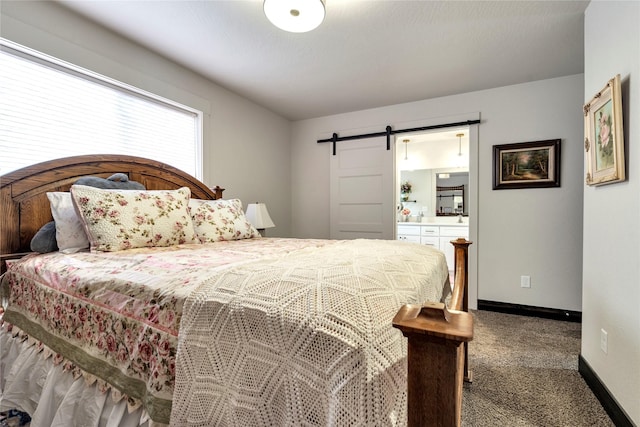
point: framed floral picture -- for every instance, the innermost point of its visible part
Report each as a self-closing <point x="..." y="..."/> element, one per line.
<point x="603" y="135"/>
<point x="526" y="165"/>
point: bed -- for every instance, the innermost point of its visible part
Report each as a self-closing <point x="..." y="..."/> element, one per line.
<point x="232" y="331"/>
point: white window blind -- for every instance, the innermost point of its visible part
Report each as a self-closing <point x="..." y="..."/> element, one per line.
<point x="51" y="109"/>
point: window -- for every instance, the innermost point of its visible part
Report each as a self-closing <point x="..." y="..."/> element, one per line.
<point x="51" y="109"/>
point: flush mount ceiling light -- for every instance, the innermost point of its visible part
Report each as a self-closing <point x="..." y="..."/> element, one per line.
<point x="295" y="16"/>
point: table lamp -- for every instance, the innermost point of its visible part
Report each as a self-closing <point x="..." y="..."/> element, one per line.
<point x="258" y="216"/>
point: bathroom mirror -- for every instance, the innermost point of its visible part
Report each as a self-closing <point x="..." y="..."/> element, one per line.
<point x="436" y="192"/>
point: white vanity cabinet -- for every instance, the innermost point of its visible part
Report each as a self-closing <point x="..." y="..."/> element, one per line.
<point x="429" y="235"/>
<point x="409" y="233"/>
<point x="447" y="234"/>
<point x="439" y="236"/>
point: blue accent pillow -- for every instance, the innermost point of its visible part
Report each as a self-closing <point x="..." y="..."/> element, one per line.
<point x="118" y="181"/>
<point x="45" y="239"/>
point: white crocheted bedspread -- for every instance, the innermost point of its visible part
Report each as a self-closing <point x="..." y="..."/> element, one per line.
<point x="303" y="338"/>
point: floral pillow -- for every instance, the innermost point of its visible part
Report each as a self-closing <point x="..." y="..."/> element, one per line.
<point x="70" y="234"/>
<point x="216" y="220"/>
<point x="124" y="219"/>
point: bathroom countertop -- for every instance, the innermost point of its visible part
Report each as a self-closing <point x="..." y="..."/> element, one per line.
<point x="438" y="223"/>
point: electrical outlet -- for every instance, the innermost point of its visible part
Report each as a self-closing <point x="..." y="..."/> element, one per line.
<point x="525" y="281"/>
<point x="604" y="341"/>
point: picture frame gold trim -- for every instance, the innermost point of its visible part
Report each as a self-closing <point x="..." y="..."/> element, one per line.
<point x="604" y="138"/>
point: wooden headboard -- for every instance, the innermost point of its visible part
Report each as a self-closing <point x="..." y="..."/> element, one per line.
<point x="24" y="206"/>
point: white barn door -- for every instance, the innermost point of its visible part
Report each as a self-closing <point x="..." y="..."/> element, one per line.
<point x="361" y="195"/>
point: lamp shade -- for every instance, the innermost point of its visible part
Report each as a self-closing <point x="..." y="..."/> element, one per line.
<point x="295" y="16"/>
<point x="258" y="216"/>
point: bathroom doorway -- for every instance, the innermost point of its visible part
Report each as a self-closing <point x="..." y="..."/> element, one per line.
<point x="436" y="192"/>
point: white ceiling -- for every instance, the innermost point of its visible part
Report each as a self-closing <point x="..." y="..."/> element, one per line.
<point x="365" y="54"/>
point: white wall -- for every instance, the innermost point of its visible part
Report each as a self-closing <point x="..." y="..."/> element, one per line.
<point x="611" y="272"/>
<point x="536" y="232"/>
<point x="420" y="191"/>
<point x="246" y="147"/>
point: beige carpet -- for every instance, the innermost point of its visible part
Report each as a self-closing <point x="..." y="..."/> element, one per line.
<point x="525" y="373"/>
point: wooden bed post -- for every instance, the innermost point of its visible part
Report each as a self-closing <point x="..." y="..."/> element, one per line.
<point x="461" y="286"/>
<point x="437" y="338"/>
<point x="218" y="191"/>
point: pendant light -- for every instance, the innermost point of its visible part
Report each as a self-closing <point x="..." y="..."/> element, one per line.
<point x="406" y="143"/>
<point x="460" y="135"/>
<point x="295" y="16"/>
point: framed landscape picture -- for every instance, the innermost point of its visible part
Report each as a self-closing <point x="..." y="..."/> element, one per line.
<point x="603" y="136"/>
<point x="526" y="165"/>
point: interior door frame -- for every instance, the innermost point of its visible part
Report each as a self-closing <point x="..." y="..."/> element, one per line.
<point x="473" y="215"/>
<point x="473" y="203"/>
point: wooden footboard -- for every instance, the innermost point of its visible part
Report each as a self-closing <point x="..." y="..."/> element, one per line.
<point x="437" y="351"/>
